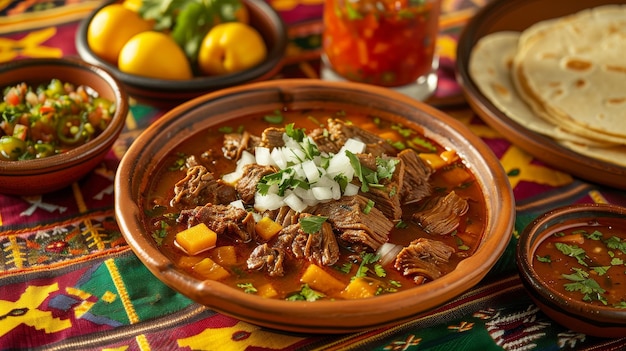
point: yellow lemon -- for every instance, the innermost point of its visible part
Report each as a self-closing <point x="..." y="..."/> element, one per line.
<point x="111" y="27"/>
<point x="231" y="47"/>
<point x="134" y="5"/>
<point x="156" y="55"/>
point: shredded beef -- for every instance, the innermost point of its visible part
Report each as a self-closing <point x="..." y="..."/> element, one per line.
<point x="285" y="216"/>
<point x="415" y="184"/>
<point x="441" y="215"/>
<point x="340" y="131"/>
<point x="320" y="248"/>
<point x="273" y="137"/>
<point x="387" y="197"/>
<point x="270" y="258"/>
<point x="197" y="188"/>
<point x="422" y="259"/>
<point x="222" y="219"/>
<point x="347" y="217"/>
<point x="247" y="185"/>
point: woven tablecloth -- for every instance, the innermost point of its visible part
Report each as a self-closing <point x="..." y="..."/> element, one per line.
<point x="68" y="280"/>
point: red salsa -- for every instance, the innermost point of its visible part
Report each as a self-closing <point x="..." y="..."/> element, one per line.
<point x="381" y="42"/>
<point x="586" y="261"/>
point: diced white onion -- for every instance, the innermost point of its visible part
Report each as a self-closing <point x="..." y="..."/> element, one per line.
<point x="233" y="177"/>
<point x="340" y="164"/>
<point x="238" y="204"/>
<point x="279" y="157"/>
<point x="267" y="202"/>
<point x="311" y="171"/>
<point x="262" y="155"/>
<point x="294" y="202"/>
<point x="388" y="252"/>
<point x="351" y="189"/>
<point x="354" y="146"/>
<point x="322" y="193"/>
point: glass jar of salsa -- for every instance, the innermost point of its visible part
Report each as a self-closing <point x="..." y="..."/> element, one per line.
<point x="382" y="42"/>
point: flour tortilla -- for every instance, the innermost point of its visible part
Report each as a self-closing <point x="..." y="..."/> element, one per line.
<point x="572" y="71"/>
<point x="614" y="154"/>
<point x="490" y="68"/>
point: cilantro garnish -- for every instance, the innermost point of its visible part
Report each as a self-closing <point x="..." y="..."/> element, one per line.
<point x="581" y="282"/>
<point x="615" y="243"/>
<point x="544" y="259"/>
<point x="312" y="224"/>
<point x="276" y="118"/>
<point x="248" y="288"/>
<point x="306" y="294"/>
<point x="573" y="251"/>
<point x="369" y="178"/>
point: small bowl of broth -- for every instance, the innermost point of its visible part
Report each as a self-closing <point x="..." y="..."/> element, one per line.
<point x="572" y="261"/>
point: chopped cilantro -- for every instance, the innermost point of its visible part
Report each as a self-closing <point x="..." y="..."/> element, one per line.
<point x="615" y="243"/>
<point x="368" y="206"/>
<point x="276" y="118"/>
<point x="573" y="251"/>
<point x="248" y="288"/>
<point x="306" y="294"/>
<point x="401" y="224"/>
<point x="226" y="129"/>
<point x="179" y="163"/>
<point x="312" y="224"/>
<point x="544" y="259"/>
<point x="581" y="282"/>
<point x="596" y="235"/>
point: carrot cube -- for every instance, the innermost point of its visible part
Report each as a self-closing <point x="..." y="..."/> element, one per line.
<point x="266" y="228"/>
<point x="318" y="279"/>
<point x="196" y="239"/>
<point x="208" y="269"/>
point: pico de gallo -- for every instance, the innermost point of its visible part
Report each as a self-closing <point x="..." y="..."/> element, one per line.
<point x="383" y="42"/>
<point x="49" y="119"/>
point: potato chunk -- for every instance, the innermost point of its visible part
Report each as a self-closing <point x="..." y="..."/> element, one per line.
<point x="196" y="239"/>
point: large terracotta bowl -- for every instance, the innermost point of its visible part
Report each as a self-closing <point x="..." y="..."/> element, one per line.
<point x="37" y="176"/>
<point x="575" y="314"/>
<point x="168" y="93"/>
<point x="139" y="163"/>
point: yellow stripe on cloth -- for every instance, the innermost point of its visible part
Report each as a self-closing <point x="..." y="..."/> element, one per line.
<point x="122" y="292"/>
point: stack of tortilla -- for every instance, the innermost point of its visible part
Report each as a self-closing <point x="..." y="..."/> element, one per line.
<point x="564" y="78"/>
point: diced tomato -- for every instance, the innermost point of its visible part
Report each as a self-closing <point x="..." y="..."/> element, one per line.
<point x="12" y="98"/>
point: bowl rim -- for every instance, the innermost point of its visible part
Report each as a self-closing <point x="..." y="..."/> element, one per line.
<point x="84" y="152"/>
<point x="536" y="232"/>
<point x="488" y="253"/>
<point x="273" y="61"/>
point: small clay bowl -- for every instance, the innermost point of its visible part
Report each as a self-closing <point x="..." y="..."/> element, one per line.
<point x="575" y="314"/>
<point x="37" y="176"/>
<point x="165" y="93"/>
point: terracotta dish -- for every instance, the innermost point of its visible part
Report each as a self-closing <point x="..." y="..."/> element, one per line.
<point x="143" y="157"/>
<point x="573" y="313"/>
<point x="36" y="176"/>
<point x="168" y="93"/>
<point x="517" y="15"/>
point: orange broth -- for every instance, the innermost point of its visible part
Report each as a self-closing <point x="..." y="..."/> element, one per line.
<point x="164" y="229"/>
